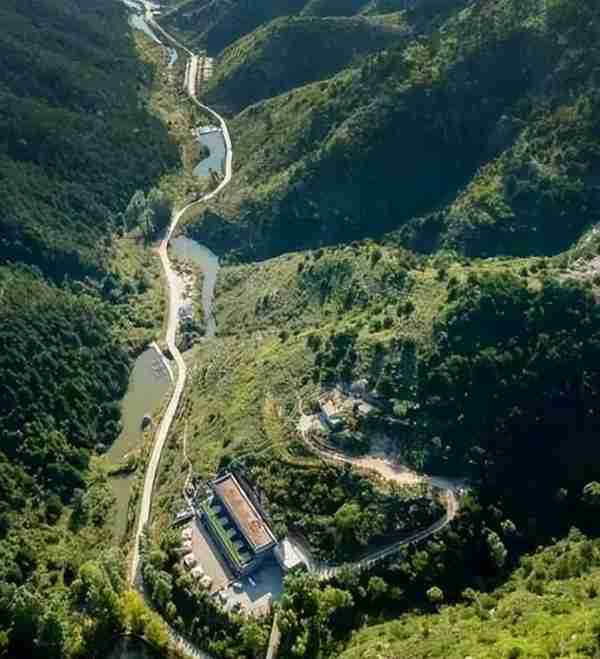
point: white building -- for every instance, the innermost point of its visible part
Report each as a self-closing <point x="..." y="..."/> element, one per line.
<point x="287" y="556"/>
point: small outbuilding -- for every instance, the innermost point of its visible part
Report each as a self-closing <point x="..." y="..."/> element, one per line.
<point x="287" y="556"/>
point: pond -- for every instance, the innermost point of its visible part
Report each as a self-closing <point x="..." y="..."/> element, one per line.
<point x="216" y="160"/>
<point x="185" y="248"/>
<point x="149" y="383"/>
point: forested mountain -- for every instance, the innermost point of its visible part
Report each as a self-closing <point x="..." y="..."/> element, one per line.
<point x="76" y="141"/>
<point x="413" y="214"/>
<point x="290" y="52"/>
<point x="547" y="608"/>
<point x="490" y="164"/>
<point x="215" y="25"/>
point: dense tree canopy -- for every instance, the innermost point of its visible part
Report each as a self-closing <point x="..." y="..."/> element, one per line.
<point x="513" y="390"/>
<point x="75" y="141"/>
<point x="62" y="373"/>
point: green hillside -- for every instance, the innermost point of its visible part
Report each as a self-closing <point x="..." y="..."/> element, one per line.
<point x="214" y="25"/>
<point x="548" y="608"/>
<point x="75" y="139"/>
<point x="423" y="128"/>
<point x="333" y="7"/>
<point x="413" y="216"/>
<point x="290" y="52"/>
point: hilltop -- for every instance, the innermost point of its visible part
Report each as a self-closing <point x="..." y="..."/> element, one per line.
<point x="215" y="25"/>
<point x="290" y="52"/>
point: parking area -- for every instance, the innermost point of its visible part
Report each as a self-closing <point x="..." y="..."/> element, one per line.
<point x="257" y="592"/>
<point x="253" y="594"/>
<point x="208" y="557"/>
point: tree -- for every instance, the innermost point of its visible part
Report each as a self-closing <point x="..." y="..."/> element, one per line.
<point x="136" y="205"/>
<point x="53" y="630"/>
<point x="377" y="588"/>
<point x="591" y="495"/>
<point x="161" y="208"/>
<point x="54" y="508"/>
<point x="497" y="549"/>
<point x="134" y="613"/>
<point x="162" y="589"/>
<point x="435" y="595"/>
<point x="307" y="614"/>
<point x="254" y="639"/>
<point x="156" y="631"/>
<point x="147" y="220"/>
<point x="347" y="519"/>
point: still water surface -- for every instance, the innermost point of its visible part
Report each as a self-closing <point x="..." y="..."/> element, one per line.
<point x="187" y="249"/>
<point x="216" y="160"/>
<point x="148" y="384"/>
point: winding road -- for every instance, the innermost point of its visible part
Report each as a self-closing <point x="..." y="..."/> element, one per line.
<point x="390" y="471"/>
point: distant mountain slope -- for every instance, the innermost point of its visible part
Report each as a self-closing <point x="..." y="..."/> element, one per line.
<point x="214" y="24"/>
<point x="290" y="52"/>
<point x="361" y="153"/>
<point x="404" y="132"/>
<point x="75" y="141"/>
<point x="333" y="7"/>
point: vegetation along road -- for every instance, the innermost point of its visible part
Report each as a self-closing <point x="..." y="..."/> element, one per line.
<point x="389" y="471"/>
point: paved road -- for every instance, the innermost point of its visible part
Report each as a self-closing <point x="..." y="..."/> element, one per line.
<point x="324" y="572"/>
<point x="452" y="506"/>
<point x="174" y="302"/>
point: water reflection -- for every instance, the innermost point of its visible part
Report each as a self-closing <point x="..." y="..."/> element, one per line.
<point x="187" y="249"/>
<point x="149" y="382"/>
<point x="216" y="160"/>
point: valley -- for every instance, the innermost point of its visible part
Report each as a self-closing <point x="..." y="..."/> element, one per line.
<point x="300" y="329"/>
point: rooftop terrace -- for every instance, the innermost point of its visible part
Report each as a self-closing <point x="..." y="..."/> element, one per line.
<point x="243" y="512"/>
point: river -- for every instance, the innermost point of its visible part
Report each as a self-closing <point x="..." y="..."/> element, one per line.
<point x="149" y="381"/>
<point x="187" y="249"/>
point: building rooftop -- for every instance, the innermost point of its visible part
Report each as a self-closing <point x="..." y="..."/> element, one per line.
<point x="243" y="512"/>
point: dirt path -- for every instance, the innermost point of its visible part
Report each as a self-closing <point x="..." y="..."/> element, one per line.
<point x="389" y="470"/>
